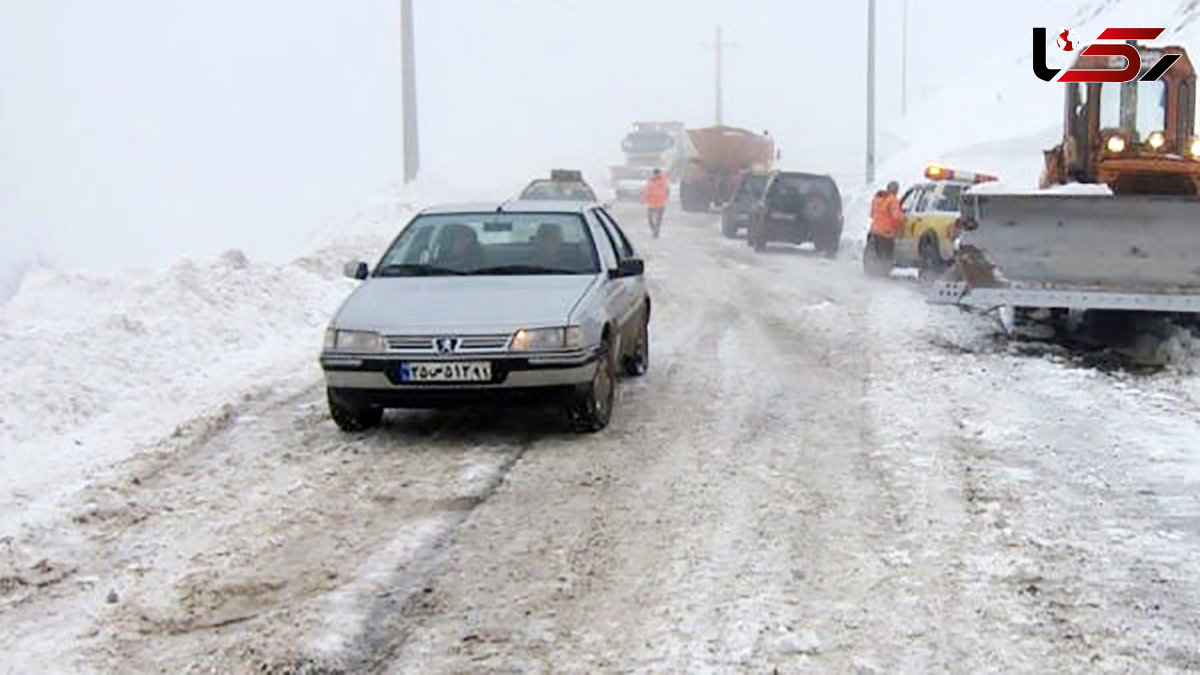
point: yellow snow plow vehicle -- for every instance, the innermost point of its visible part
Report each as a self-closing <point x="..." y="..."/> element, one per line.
<point x="1116" y="223"/>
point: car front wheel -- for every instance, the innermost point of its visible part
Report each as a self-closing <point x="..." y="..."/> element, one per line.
<point x="592" y="409"/>
<point x="351" y="418"/>
<point x="638" y="361"/>
<point x="931" y="264"/>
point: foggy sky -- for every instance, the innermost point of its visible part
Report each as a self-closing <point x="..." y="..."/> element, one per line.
<point x="139" y="131"/>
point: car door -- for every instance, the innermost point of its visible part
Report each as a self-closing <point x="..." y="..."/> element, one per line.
<point x="941" y="218"/>
<point x="743" y="200"/>
<point x="630" y="306"/>
<point x="606" y="302"/>
<point x="906" y="248"/>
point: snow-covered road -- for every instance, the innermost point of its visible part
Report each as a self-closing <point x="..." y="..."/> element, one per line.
<point x="819" y="474"/>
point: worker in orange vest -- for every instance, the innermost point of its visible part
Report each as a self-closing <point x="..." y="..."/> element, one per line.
<point x="655" y="195"/>
<point x="886" y="219"/>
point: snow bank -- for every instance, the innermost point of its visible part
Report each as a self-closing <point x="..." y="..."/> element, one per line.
<point x="98" y="364"/>
<point x="996" y="188"/>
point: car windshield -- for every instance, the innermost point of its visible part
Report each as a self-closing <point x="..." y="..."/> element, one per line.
<point x="491" y="244"/>
<point x="1149" y="110"/>
<point x="754" y="185"/>
<point x="789" y="188"/>
<point x="558" y="190"/>
<point x="647" y="141"/>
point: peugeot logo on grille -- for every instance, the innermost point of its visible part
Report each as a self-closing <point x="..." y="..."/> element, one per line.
<point x="446" y="345"/>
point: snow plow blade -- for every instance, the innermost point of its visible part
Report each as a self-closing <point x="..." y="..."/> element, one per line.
<point x="1077" y="251"/>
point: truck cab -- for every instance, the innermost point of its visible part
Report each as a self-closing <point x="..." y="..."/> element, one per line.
<point x="1137" y="137"/>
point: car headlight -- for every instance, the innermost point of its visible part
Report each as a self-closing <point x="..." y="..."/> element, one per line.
<point x="1156" y="140"/>
<point x="547" y="339"/>
<point x="353" y="341"/>
<point x="1115" y="143"/>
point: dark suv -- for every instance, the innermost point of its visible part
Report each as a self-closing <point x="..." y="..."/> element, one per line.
<point x="735" y="216"/>
<point x="797" y="208"/>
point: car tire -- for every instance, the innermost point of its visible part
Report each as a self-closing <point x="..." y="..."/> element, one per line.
<point x="728" y="226"/>
<point x="592" y="409"/>
<point x="828" y="242"/>
<point x="353" y="419"/>
<point x="930" y="263"/>
<point x="638" y="361"/>
<point x="759" y="234"/>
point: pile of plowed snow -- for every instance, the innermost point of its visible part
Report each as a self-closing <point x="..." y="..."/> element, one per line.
<point x="98" y="365"/>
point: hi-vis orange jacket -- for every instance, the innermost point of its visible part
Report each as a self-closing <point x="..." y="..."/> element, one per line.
<point x="886" y="216"/>
<point x="657" y="190"/>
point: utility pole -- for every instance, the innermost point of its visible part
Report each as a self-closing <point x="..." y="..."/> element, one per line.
<point x="870" y="91"/>
<point x="904" y="58"/>
<point x="717" y="46"/>
<point x="408" y="73"/>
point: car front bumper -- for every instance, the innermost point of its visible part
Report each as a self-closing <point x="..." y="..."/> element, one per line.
<point x="374" y="380"/>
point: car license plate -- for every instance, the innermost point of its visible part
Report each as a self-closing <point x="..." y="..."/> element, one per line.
<point x="456" y="371"/>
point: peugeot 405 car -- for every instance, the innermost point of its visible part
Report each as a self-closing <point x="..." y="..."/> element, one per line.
<point x="523" y="302"/>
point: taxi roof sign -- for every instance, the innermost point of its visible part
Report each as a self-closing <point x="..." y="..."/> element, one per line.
<point x="566" y="175"/>
<point x="935" y="172"/>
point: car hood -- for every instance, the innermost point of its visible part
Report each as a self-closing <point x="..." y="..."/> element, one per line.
<point x="466" y="304"/>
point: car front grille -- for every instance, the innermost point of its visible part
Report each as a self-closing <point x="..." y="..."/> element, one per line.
<point x="466" y="344"/>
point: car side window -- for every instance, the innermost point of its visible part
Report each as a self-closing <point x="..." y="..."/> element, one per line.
<point x="610" y="253"/>
<point x="908" y="203"/>
<point x="948" y="200"/>
<point x="928" y="198"/>
<point x="625" y="248"/>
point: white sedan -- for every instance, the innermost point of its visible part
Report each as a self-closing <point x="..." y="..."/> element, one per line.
<point x="526" y="302"/>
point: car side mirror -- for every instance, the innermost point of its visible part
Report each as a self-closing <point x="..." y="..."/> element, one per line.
<point x="629" y="267"/>
<point x="356" y="269"/>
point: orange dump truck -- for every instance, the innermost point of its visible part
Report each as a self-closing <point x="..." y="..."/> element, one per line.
<point x="721" y="154"/>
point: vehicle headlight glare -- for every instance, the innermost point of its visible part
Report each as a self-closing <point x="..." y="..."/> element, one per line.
<point x="1116" y="144"/>
<point x="545" y="339"/>
<point x="356" y="341"/>
<point x="1157" y="140"/>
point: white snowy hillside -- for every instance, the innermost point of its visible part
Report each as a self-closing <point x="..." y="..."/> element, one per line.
<point x="995" y="116"/>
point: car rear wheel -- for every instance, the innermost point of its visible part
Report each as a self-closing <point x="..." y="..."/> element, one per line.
<point x="353" y="418"/>
<point x="758" y="236"/>
<point x="827" y="242"/>
<point x="728" y="226"/>
<point x="592" y="409"/>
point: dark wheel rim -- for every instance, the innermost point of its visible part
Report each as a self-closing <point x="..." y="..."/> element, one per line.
<point x="641" y="353"/>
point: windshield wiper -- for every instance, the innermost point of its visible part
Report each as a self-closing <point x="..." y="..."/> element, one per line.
<point x="523" y="269"/>
<point x="415" y="270"/>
